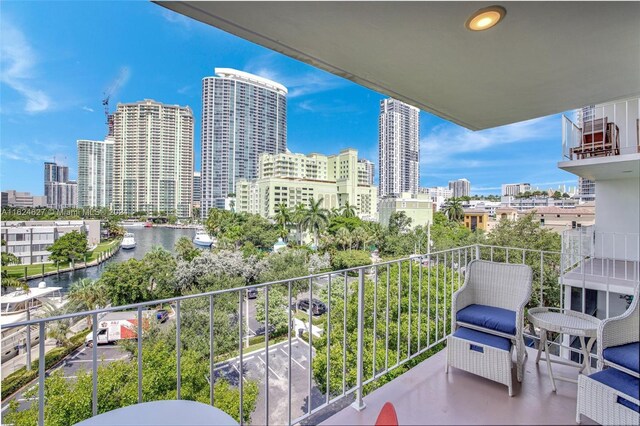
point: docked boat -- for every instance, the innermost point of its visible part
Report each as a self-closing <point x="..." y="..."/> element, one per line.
<point x="21" y="305"/>
<point x="128" y="242"/>
<point x="148" y="225"/>
<point x="202" y="239"/>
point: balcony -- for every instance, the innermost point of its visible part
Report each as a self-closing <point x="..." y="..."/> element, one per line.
<point x="381" y="338"/>
<point x="604" y="142"/>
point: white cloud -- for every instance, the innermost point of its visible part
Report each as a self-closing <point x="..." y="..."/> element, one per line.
<point x="447" y="143"/>
<point x="176" y="18"/>
<point x="299" y="84"/>
<point x="19" y="60"/>
<point x="86" y="108"/>
<point x="121" y="79"/>
<point x="23" y="153"/>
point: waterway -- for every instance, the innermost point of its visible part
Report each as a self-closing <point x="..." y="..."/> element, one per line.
<point x="146" y="239"/>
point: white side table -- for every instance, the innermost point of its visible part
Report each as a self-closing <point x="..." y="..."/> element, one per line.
<point x="564" y="321"/>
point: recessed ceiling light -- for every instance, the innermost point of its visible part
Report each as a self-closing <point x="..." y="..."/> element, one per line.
<point x="485" y="18"/>
<point x="626" y="171"/>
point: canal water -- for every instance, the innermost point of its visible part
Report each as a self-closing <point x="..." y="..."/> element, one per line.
<point x="146" y="239"/>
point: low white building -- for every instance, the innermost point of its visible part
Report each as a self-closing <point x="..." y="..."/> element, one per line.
<point x="29" y="240"/>
<point x="419" y="208"/>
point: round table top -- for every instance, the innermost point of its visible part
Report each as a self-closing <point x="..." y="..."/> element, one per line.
<point x="172" y="412"/>
<point x="564" y="321"/>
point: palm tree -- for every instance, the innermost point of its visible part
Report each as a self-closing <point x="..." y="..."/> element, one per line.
<point x="315" y="218"/>
<point x="344" y="237"/>
<point x="334" y="212"/>
<point x="297" y="217"/>
<point x="360" y="236"/>
<point x="348" y="210"/>
<point x="454" y="210"/>
<point x="282" y="218"/>
<point x="86" y="295"/>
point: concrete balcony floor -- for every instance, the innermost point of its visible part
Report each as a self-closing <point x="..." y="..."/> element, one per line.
<point x="426" y="395"/>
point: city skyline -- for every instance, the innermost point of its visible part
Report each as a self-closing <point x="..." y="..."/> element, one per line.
<point x="325" y="113"/>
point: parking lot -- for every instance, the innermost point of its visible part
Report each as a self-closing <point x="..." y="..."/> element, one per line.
<point x="78" y="360"/>
<point x="254" y="365"/>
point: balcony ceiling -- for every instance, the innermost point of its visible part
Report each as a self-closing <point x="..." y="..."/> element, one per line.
<point x="543" y="58"/>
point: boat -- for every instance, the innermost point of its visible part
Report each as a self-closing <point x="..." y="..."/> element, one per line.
<point x="202" y="239"/>
<point x="129" y="241"/>
<point x="21" y="305"/>
<point x="148" y="225"/>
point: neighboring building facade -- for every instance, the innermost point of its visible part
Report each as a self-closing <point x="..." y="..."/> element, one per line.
<point x="417" y="207"/>
<point x="59" y="191"/>
<point x="366" y="171"/>
<point x="476" y="219"/>
<point x="439" y="195"/>
<point x="13" y="198"/>
<point x="515" y="188"/>
<point x="398" y="148"/>
<point x="243" y="116"/>
<point x="293" y="179"/>
<point x="586" y="189"/>
<point x="95" y="172"/>
<point x="197" y="189"/>
<point x="536" y="202"/>
<point x="561" y="219"/>
<point x="29" y="240"/>
<point x="460" y="188"/>
<point x="153" y="158"/>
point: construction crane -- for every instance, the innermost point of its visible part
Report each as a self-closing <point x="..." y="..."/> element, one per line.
<point x="115" y="85"/>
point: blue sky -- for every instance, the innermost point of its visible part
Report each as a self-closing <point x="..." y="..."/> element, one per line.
<point x="59" y="57"/>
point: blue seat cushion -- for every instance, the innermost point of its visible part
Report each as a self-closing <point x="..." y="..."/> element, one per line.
<point x="621" y="382"/>
<point x="627" y="356"/>
<point x="490" y="317"/>
<point x="483" y="338"/>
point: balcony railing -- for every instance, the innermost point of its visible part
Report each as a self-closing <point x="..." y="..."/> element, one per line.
<point x="605" y="130"/>
<point x="380" y="319"/>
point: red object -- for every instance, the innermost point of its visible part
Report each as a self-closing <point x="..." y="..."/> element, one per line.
<point x="387" y="416"/>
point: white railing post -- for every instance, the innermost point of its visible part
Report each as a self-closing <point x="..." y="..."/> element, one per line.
<point x="477" y="251"/>
<point x="358" y="404"/>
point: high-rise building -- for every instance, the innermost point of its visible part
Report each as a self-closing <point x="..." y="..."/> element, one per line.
<point x="460" y="188"/>
<point x="197" y="189"/>
<point x="59" y="191"/>
<point x="293" y="179"/>
<point x="366" y="171"/>
<point x="398" y="148"/>
<point x="586" y="189"/>
<point x="515" y="188"/>
<point x="243" y="116"/>
<point x="153" y="158"/>
<point x="95" y="172"/>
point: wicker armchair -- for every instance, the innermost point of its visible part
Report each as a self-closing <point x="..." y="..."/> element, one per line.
<point x="492" y="301"/>
<point x="618" y="331"/>
<point x="612" y="396"/>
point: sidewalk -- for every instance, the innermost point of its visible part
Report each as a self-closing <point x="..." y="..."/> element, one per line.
<point x="20" y="361"/>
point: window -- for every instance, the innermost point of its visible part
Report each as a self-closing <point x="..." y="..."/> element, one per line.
<point x="542" y="222"/>
<point x="573" y="224"/>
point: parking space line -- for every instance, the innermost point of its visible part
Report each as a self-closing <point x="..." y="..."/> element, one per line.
<point x="293" y="359"/>
<point x="270" y="369"/>
<point x="80" y="352"/>
<point x="234" y="366"/>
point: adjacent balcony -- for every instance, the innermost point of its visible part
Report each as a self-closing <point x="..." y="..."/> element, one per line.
<point x="604" y="142"/>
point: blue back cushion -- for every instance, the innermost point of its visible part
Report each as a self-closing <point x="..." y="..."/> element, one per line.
<point x="498" y="319"/>
<point x="622" y="382"/>
<point x="483" y="338"/>
<point x="627" y="356"/>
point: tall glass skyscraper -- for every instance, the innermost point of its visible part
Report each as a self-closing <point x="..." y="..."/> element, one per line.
<point x="153" y="158"/>
<point x="398" y="148"/>
<point x="95" y="172"/>
<point x="243" y="116"/>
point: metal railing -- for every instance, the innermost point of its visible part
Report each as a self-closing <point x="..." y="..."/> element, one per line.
<point x="383" y="316"/>
<point x="603" y="130"/>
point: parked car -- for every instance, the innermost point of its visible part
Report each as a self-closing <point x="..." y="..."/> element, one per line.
<point x="318" y="308"/>
<point x="162" y="315"/>
<point x="252" y="293"/>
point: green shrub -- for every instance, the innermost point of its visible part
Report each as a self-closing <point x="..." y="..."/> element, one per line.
<point x="16" y="380"/>
<point x="350" y="259"/>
